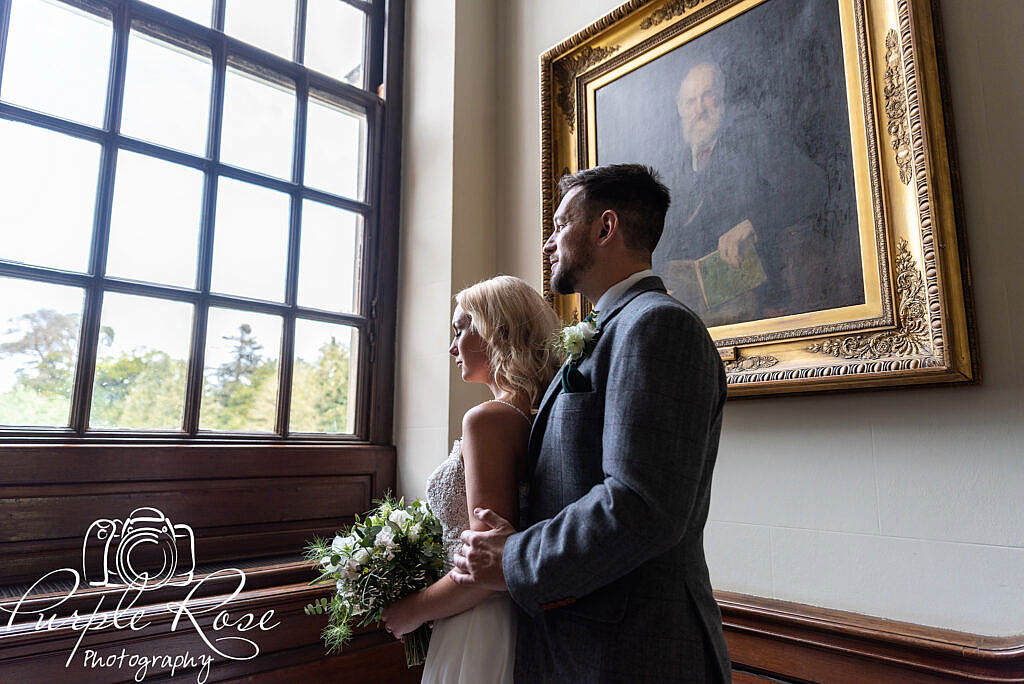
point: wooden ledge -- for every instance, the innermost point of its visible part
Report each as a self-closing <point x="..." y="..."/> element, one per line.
<point x="795" y="641"/>
<point x="49" y="651"/>
<point x="213" y="581"/>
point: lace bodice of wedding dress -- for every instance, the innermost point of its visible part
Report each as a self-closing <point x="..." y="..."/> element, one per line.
<point x="446" y="495"/>
<point x="477" y="645"/>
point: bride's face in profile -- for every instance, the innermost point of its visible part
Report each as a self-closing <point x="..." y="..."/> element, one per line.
<point x="469" y="349"/>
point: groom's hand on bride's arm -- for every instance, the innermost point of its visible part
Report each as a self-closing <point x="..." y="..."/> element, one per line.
<point x="479" y="562"/>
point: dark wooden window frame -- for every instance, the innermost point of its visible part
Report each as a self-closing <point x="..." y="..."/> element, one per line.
<point x="375" y="310"/>
<point x="246" y="496"/>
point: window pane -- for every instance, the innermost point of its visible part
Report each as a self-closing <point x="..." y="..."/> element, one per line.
<point x="57" y="60"/>
<point x="324" y="378"/>
<point x="39" y="329"/>
<point x="154" y="224"/>
<point x="240" y="376"/>
<point x="198" y="11"/>
<point x="166" y="94"/>
<point x="335" y="149"/>
<point x="267" y="24"/>
<point x="47" y="196"/>
<point x="259" y="124"/>
<point x="334" y="40"/>
<point x="250" y="243"/>
<point x="329" y="258"/>
<point x="141" y="363"/>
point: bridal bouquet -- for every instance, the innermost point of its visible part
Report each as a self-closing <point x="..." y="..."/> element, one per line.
<point x="394" y="551"/>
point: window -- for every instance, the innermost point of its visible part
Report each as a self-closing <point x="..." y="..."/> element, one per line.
<point x="191" y="222"/>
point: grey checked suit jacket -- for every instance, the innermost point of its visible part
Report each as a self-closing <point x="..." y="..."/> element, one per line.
<point x="609" y="570"/>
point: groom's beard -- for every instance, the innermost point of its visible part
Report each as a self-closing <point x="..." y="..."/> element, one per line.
<point x="566" y="278"/>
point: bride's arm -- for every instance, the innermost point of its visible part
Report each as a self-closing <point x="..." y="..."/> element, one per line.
<point x="492" y="446"/>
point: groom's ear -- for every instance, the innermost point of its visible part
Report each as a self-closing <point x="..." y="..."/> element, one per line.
<point x="610" y="226"/>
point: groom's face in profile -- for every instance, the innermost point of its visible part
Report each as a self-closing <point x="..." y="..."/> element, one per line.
<point x="569" y="249"/>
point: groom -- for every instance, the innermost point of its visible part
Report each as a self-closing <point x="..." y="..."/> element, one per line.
<point x="609" y="570"/>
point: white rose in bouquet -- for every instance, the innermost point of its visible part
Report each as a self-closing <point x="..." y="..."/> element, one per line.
<point x="414" y="532"/>
<point x="399" y="517"/>
<point x="342" y="544"/>
<point x="361" y="557"/>
<point x="385" y="538"/>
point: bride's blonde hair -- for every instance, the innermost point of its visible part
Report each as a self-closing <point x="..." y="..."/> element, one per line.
<point x="517" y="325"/>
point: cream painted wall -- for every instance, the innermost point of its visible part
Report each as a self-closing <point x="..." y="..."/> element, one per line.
<point x="528" y="28"/>
<point x="425" y="249"/>
<point x="448" y="218"/>
<point x="906" y="504"/>
<point x="474" y="180"/>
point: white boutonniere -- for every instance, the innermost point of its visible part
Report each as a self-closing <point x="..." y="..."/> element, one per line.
<point x="574" y="341"/>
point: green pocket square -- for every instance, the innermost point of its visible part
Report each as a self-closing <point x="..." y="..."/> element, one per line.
<point x="573" y="380"/>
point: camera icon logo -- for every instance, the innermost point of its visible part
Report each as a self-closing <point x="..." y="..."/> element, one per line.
<point x="144" y="551"/>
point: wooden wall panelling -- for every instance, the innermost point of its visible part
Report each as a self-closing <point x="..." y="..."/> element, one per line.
<point x="240" y="501"/>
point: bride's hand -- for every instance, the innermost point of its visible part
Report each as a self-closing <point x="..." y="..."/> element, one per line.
<point x="401" y="617"/>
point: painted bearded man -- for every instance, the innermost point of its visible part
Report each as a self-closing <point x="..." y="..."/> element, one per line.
<point x="737" y="238"/>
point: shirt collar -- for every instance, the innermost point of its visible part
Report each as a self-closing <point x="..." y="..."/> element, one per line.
<point x="618" y="289"/>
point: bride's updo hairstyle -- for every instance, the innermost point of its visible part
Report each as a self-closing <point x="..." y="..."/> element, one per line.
<point x="517" y="325"/>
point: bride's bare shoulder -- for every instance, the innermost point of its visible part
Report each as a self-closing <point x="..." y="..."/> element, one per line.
<point x="490" y="417"/>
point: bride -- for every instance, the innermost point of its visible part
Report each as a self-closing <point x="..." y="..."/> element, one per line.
<point x="502" y="329"/>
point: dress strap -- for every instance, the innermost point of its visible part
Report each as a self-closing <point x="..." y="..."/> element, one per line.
<point x="516" y="408"/>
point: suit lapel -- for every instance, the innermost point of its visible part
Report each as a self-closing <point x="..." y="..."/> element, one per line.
<point x="541" y="421"/>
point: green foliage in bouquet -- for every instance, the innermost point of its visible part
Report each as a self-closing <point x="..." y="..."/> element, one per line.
<point x="393" y="551"/>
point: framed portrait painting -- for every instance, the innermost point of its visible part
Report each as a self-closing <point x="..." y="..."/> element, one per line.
<point x="812" y="226"/>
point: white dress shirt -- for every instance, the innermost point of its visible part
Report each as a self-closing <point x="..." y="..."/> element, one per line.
<point x="613" y="292"/>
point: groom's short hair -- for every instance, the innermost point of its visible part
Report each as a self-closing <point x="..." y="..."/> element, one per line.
<point x="634" y="191"/>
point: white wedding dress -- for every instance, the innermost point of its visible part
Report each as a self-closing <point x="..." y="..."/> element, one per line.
<point x="477" y="646"/>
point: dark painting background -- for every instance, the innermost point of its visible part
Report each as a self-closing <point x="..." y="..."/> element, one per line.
<point x="786" y="127"/>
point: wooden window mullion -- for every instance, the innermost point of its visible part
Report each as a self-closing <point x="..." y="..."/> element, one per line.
<point x="81" y="398"/>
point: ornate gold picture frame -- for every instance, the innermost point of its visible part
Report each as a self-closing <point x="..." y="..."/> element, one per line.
<point x="812" y="224"/>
